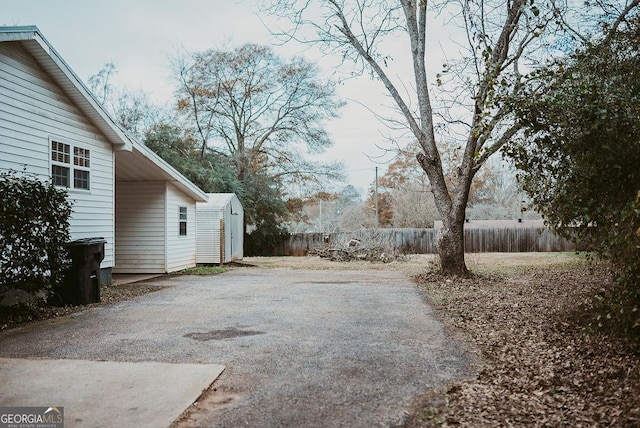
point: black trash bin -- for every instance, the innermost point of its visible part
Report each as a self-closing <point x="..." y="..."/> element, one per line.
<point x="82" y="280"/>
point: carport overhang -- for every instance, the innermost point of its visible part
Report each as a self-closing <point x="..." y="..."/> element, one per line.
<point x="141" y="164"/>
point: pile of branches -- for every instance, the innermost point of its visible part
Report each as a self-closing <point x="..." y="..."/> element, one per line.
<point x="357" y="250"/>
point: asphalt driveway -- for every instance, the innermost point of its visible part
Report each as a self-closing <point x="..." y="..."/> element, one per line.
<point x="301" y="348"/>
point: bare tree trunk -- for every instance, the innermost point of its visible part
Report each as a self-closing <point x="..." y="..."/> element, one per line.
<point x="451" y="245"/>
<point x="452" y="211"/>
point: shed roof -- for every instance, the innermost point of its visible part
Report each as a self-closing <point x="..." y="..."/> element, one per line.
<point x="220" y="199"/>
<point x="134" y="161"/>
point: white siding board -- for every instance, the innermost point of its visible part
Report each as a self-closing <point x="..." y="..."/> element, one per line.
<point x="181" y="250"/>
<point x="16" y="92"/>
<point x="24" y="114"/>
<point x="28" y="82"/>
<point x="32" y="110"/>
<point x="20" y="93"/>
<point x="28" y="71"/>
<point x="16" y="162"/>
<point x="14" y="51"/>
<point x="22" y="135"/>
<point x="10" y="137"/>
<point x="140" y="235"/>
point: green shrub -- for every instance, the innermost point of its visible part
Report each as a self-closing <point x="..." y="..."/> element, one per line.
<point x="34" y="228"/>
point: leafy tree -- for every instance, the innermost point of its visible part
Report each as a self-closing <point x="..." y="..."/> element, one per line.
<point x="266" y="206"/>
<point x="385" y="207"/>
<point x="498" y="36"/>
<point x="581" y="149"/>
<point x="211" y="173"/>
<point x="265" y="114"/>
<point x="349" y="195"/>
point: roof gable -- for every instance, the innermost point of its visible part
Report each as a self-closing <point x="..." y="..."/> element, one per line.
<point x="59" y="71"/>
<point x="52" y="63"/>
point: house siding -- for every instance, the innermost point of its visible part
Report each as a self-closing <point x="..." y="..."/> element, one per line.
<point x="140" y="227"/>
<point x="181" y="250"/>
<point x="34" y="110"/>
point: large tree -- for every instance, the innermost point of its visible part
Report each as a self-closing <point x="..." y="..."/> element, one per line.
<point x="267" y="114"/>
<point x="497" y="35"/>
<point x="212" y="174"/>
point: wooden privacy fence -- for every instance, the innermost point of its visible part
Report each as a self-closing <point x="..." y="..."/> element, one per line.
<point x="423" y="241"/>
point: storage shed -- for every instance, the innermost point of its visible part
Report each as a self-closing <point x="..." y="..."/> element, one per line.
<point x="219" y="229"/>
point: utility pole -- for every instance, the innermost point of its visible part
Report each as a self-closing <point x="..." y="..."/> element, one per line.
<point x="377" y="225"/>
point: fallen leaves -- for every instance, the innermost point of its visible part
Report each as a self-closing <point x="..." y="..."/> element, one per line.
<point x="541" y="361"/>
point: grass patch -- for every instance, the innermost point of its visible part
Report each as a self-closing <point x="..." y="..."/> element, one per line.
<point x="202" y="270"/>
<point x="516" y="263"/>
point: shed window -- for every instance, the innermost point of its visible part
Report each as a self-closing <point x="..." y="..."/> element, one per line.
<point x="67" y="171"/>
<point x="182" y="221"/>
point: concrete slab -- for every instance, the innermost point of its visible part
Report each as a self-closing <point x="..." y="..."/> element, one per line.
<point x="129" y="278"/>
<point x="106" y="393"/>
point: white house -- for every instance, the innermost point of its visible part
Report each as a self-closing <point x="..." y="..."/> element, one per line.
<point x="219" y="229"/>
<point x="52" y="126"/>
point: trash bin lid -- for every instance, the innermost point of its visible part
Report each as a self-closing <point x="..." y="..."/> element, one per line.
<point x="87" y="241"/>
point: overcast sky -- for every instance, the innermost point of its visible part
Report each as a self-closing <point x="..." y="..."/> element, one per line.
<point x="139" y="36"/>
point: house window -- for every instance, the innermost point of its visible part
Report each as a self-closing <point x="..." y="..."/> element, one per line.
<point x="60" y="175"/>
<point x="80" y="179"/>
<point x="68" y="171"/>
<point x="182" y="221"/>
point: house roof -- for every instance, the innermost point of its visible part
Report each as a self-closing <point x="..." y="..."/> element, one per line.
<point x="134" y="161"/>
